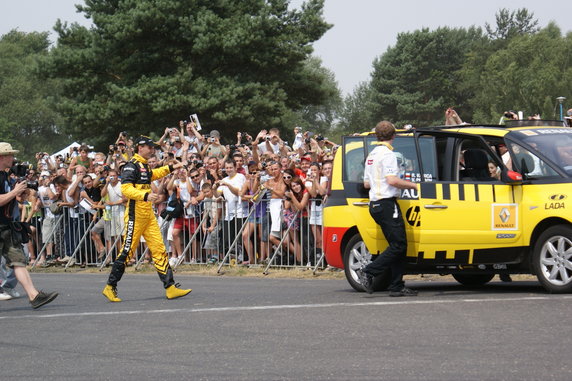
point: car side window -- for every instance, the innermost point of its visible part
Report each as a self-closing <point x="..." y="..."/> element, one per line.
<point x="406" y="153"/>
<point x="529" y="165"/>
<point x="354" y="159"/>
<point x="476" y="162"/>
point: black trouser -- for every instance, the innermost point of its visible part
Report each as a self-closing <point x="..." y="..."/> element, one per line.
<point x="387" y="214"/>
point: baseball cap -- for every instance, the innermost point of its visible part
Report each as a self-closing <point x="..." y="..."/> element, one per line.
<point x="6" y="149"/>
<point x="215" y="134"/>
<point x="145" y="141"/>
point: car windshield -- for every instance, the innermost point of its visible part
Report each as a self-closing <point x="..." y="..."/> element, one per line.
<point x="555" y="144"/>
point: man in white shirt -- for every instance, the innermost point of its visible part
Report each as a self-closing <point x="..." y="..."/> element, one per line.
<point x="381" y="177"/>
<point x="46" y="195"/>
<point x="235" y="209"/>
<point x="272" y="142"/>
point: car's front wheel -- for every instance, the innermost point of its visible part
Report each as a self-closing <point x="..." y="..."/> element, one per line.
<point x="552" y="259"/>
<point x="356" y="257"/>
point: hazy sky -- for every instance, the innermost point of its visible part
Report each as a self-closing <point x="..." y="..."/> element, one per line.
<point x="362" y="29"/>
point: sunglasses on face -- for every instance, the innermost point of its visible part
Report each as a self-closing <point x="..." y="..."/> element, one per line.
<point x="287" y="177"/>
<point x="195" y="176"/>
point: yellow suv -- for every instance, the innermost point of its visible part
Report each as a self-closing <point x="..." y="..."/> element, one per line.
<point x="492" y="200"/>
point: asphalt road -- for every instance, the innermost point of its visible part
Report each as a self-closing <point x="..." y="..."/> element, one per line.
<point x="284" y="329"/>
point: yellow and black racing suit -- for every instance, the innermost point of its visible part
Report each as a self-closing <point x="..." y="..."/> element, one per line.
<point x="136" y="178"/>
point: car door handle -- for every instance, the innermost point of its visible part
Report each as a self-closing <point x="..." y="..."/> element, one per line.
<point x="432" y="206"/>
<point x="361" y="203"/>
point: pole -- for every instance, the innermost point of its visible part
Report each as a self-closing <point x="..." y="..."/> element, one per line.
<point x="561" y="101"/>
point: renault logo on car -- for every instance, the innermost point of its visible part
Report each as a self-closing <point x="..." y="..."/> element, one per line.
<point x="504" y="215"/>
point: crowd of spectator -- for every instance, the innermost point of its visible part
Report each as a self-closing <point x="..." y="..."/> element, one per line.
<point x="264" y="188"/>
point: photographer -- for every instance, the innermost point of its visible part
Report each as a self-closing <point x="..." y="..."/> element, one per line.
<point x="10" y="249"/>
<point x="194" y="138"/>
<point x="45" y="163"/>
<point x="213" y="146"/>
<point x="271" y="141"/>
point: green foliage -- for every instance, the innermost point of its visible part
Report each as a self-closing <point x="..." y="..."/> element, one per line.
<point x="514" y="66"/>
<point x="356" y="114"/>
<point x="148" y="63"/>
<point x="512" y="24"/>
<point x="27" y="118"/>
<point x="417" y="79"/>
<point x="318" y="118"/>
<point x="527" y="75"/>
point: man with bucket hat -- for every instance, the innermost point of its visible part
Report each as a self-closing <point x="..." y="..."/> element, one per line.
<point x="12" y="233"/>
<point x="136" y="178"/>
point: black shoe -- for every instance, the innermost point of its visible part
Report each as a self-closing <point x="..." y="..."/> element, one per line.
<point x="505" y="277"/>
<point x="403" y="292"/>
<point x="43" y="298"/>
<point x="366" y="281"/>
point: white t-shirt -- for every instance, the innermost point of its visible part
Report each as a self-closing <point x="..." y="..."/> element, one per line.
<point x="235" y="208"/>
<point x="45" y="200"/>
<point x="114" y="193"/>
<point x="323" y="183"/>
<point x="262" y="147"/>
<point x="298" y="141"/>
<point x="185" y="196"/>
<point x="192" y="140"/>
<point x="380" y="163"/>
<point x="69" y="198"/>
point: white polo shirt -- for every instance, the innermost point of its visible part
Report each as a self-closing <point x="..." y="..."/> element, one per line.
<point x="380" y="163"/>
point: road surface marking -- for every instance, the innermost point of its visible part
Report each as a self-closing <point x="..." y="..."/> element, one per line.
<point x="285" y="307"/>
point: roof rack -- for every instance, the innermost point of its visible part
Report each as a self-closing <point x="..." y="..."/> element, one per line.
<point x="532" y="123"/>
<point x="508" y="124"/>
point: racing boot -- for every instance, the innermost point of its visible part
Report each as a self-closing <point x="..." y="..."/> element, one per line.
<point x="173" y="291"/>
<point x="110" y="292"/>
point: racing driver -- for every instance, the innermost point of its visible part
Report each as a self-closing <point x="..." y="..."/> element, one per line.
<point x="136" y="178"/>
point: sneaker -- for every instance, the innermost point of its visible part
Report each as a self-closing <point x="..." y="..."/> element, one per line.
<point x="43" y="298"/>
<point x="110" y="292"/>
<point x="71" y="262"/>
<point x="5" y="296"/>
<point x="12" y="292"/>
<point x="172" y="261"/>
<point x="173" y="291"/>
<point x="403" y="292"/>
<point x="193" y="261"/>
<point x="366" y="281"/>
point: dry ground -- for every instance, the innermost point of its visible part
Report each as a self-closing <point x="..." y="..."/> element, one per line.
<point x="256" y="272"/>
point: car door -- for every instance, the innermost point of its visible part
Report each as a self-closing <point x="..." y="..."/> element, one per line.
<point x="467" y="219"/>
<point x="356" y="149"/>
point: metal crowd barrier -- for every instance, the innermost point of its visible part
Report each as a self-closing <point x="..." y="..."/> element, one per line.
<point x="248" y="240"/>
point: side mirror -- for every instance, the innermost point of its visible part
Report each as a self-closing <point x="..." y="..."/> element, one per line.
<point x="511" y="177"/>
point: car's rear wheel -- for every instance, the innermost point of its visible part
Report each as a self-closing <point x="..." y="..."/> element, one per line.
<point x="473" y="280"/>
<point x="552" y="259"/>
<point x="356" y="257"/>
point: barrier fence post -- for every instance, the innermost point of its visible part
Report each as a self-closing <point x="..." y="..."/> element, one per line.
<point x="77" y="249"/>
<point x="50" y="237"/>
<point x="279" y="246"/>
